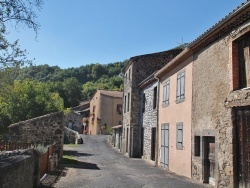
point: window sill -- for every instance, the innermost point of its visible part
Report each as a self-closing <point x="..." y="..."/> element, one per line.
<point x="180" y="100"/>
<point x="165" y="105"/>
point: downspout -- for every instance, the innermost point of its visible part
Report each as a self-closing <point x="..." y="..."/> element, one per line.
<point x="157" y="120"/>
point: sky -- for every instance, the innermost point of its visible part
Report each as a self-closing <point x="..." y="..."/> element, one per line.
<point x="79" y="32"/>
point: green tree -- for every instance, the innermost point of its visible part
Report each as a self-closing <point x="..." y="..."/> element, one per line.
<point x="29" y="99"/>
<point x="72" y="90"/>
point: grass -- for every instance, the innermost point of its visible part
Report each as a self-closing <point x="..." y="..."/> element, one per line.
<point x="69" y="159"/>
<point x="71" y="145"/>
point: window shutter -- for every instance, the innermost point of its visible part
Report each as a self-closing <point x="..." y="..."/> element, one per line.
<point x="164" y="93"/>
<point x="178" y="87"/>
<point x="182" y="79"/>
<point x="167" y="91"/>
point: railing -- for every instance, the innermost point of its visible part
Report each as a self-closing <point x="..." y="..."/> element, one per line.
<point x="10" y="146"/>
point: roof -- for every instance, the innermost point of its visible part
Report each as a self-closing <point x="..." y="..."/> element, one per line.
<point x="225" y="25"/>
<point x="148" y="80"/>
<point x="221" y="22"/>
<point x="136" y="58"/>
<point x="110" y="93"/>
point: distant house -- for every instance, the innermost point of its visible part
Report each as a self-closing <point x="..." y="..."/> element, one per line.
<point x="105" y="111"/>
<point x="135" y="71"/>
<point x="77" y="118"/>
<point x="148" y="118"/>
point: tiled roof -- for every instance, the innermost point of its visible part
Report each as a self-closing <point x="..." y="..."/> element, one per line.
<point x="219" y="23"/>
<point x="111" y="93"/>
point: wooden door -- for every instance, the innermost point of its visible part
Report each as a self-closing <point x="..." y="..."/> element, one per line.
<point x="164" y="145"/>
<point x="243" y="145"/>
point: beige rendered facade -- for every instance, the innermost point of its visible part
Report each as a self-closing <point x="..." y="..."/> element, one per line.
<point x="174" y="124"/>
<point x="105" y="111"/>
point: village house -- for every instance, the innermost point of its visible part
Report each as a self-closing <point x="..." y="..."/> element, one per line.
<point x="174" y="115"/>
<point x="205" y="91"/>
<point x="135" y="71"/>
<point x="77" y="119"/>
<point x="105" y="111"/>
<point x="148" y="118"/>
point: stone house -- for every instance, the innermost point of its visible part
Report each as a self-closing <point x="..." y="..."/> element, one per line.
<point x="77" y="118"/>
<point x="174" y="114"/>
<point x="135" y="71"/>
<point x="220" y="105"/>
<point x="105" y="111"/>
<point x="148" y="118"/>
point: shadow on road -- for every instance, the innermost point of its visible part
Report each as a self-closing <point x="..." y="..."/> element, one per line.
<point x="73" y="163"/>
<point x="76" y="153"/>
<point x="63" y="166"/>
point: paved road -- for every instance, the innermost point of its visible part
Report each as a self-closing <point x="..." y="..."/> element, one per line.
<point x="101" y="166"/>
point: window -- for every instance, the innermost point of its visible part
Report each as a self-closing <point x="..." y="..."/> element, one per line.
<point x="197" y="141"/>
<point x="244" y="62"/>
<point x="180" y="91"/>
<point x="94" y="108"/>
<point x="129" y="74"/>
<point x="128" y="101"/>
<point x="126" y="77"/>
<point x="124" y="104"/>
<point x="155" y="97"/>
<point x="166" y="88"/>
<point x="143" y="102"/>
<point x="179" y="136"/>
<point x="119" y="108"/>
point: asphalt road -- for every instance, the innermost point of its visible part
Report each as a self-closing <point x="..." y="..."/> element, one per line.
<point x="98" y="165"/>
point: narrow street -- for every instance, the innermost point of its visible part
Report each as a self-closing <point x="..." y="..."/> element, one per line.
<point x="98" y="165"/>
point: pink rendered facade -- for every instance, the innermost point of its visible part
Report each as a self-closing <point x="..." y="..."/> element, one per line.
<point x="174" y="141"/>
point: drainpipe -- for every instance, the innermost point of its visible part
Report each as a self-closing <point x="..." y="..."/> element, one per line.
<point x="157" y="119"/>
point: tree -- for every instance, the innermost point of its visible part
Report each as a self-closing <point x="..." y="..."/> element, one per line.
<point x="22" y="12"/>
<point x="72" y="91"/>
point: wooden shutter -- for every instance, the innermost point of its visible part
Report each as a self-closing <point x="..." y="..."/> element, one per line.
<point x="182" y="85"/>
<point x="167" y="91"/>
<point x="178" y="87"/>
<point x="179" y="136"/>
<point x="164" y="93"/>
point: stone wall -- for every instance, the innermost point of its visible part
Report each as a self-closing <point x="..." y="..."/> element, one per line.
<point x="47" y="129"/>
<point x="71" y="136"/>
<point x="20" y="170"/>
<point x="76" y="120"/>
<point x="210" y="117"/>
<point x="148" y="120"/>
<point x="141" y="67"/>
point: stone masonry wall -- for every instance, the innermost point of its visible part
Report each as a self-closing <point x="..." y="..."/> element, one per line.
<point x="76" y="120"/>
<point x="210" y="117"/>
<point x="47" y="129"/>
<point x="148" y="119"/>
<point x="71" y="136"/>
<point x="141" y="67"/>
<point x="17" y="171"/>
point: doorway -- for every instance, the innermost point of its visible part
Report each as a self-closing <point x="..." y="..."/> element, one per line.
<point x="209" y="159"/>
<point x="243" y="145"/>
<point x="153" y="143"/>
